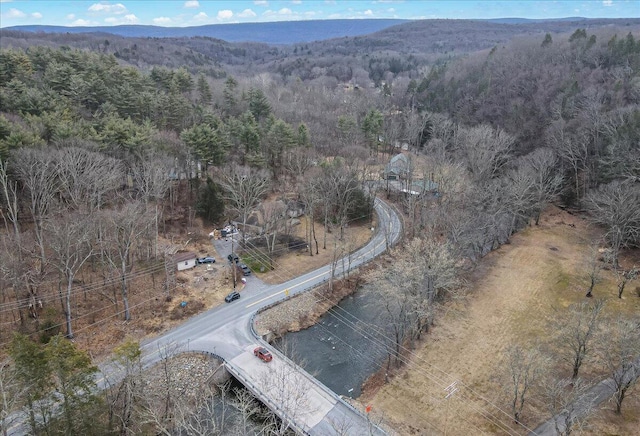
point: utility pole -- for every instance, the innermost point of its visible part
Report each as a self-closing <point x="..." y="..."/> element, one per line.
<point x="233" y="262"/>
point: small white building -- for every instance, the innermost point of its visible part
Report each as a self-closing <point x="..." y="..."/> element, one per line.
<point x="185" y="260"/>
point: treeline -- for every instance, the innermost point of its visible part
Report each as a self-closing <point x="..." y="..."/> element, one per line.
<point x="96" y="158"/>
<point x="50" y="96"/>
<point x="577" y="97"/>
<point x="580" y="88"/>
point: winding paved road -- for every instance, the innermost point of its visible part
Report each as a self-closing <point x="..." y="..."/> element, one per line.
<point x="226" y="331"/>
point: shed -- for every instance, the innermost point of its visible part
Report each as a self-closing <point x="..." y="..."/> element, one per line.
<point x="185" y="260"/>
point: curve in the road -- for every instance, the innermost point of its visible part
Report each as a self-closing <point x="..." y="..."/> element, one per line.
<point x="227" y="332"/>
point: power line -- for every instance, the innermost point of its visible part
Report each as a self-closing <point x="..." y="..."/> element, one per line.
<point x="18" y="304"/>
<point x="491" y="418"/>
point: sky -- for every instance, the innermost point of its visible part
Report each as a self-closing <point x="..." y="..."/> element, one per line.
<point x="171" y="13"/>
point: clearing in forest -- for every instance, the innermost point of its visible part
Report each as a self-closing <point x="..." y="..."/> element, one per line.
<point x="512" y="295"/>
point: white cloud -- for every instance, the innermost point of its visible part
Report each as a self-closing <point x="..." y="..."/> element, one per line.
<point x="607" y="2"/>
<point x="285" y="11"/>
<point x="201" y="17"/>
<point x="192" y="4"/>
<point x="161" y="20"/>
<point x="107" y="8"/>
<point x="368" y="13"/>
<point x="131" y="18"/>
<point x="225" y="14"/>
<point x="261" y="2"/>
<point x="391" y="10"/>
<point x="127" y="19"/>
<point x="247" y="13"/>
<point x="14" y="13"/>
<point x="296" y="2"/>
<point x="71" y="17"/>
<point x="36" y="15"/>
<point x="81" y="22"/>
<point x="6" y="1"/>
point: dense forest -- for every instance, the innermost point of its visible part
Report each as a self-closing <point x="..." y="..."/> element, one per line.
<point x="106" y="142"/>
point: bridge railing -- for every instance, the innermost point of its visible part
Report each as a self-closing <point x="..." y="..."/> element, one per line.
<point x="301" y="370"/>
<point x="282" y="413"/>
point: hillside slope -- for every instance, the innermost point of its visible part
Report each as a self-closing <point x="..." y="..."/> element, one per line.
<point x="282" y="32"/>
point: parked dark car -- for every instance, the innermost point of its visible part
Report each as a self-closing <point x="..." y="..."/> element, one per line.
<point x="245" y="269"/>
<point x="206" y="259"/>
<point x="232" y="296"/>
<point x="233" y="258"/>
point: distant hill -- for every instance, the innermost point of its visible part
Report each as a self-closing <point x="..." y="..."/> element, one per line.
<point x="450" y="37"/>
<point x="516" y="20"/>
<point x="401" y="49"/>
<point x="281" y="32"/>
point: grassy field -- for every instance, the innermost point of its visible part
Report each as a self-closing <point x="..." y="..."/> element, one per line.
<point x="514" y="293"/>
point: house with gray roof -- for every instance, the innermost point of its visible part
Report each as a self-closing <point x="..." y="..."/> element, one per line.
<point x="398" y="168"/>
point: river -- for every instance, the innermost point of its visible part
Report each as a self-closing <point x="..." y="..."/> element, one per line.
<point x="339" y="350"/>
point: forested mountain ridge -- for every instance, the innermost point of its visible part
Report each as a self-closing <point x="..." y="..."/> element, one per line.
<point x="281" y="32"/>
<point x="425" y="41"/>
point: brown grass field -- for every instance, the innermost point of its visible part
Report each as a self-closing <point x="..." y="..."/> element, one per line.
<point x="512" y="295"/>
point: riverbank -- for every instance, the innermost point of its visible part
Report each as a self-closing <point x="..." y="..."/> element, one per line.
<point x="304" y="310"/>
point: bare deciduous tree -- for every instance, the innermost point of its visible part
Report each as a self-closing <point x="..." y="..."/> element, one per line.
<point x="524" y="368"/>
<point x="623" y="277"/>
<point x="619" y="348"/>
<point x="248" y="407"/>
<point x="616" y="206"/>
<point x="593" y="267"/>
<point x="204" y="412"/>
<point x="310" y="196"/>
<point x="297" y="161"/>
<point x="36" y="170"/>
<point x="124" y="396"/>
<point x="274" y="216"/>
<point x="244" y="188"/>
<point x="486" y="150"/>
<point x="10" y="195"/>
<point x="573" y="149"/>
<point x="576" y="328"/>
<point x="70" y="244"/>
<point x="151" y="176"/>
<point x="546" y="180"/>
<point x="86" y="177"/>
<point x="126" y="227"/>
<point x="19" y="276"/>
<point x="409" y="288"/>
<point x="569" y="404"/>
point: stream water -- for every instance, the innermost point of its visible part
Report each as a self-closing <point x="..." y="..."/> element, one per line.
<point x="339" y="350"/>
